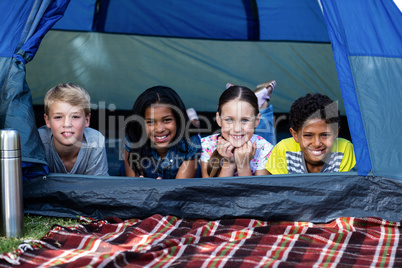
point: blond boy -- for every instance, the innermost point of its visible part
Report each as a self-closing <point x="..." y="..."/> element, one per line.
<point x="70" y="145"/>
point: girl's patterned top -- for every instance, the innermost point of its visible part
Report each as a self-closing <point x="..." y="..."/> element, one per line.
<point x="259" y="160"/>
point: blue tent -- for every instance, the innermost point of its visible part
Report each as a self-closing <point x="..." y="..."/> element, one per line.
<point x="116" y="49"/>
<point x="23" y="26"/>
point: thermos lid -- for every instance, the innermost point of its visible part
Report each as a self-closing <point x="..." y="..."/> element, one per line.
<point x="9" y="140"/>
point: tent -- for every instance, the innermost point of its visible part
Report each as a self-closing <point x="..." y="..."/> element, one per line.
<point x="116" y="49"/>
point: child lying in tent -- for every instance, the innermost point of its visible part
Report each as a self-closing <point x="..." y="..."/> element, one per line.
<point x="263" y="93"/>
<point x="159" y="143"/>
<point x="315" y="147"/>
<point x="70" y="145"/>
<point x="236" y="151"/>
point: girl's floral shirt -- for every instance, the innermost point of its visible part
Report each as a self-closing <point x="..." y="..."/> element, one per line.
<point x="259" y="160"/>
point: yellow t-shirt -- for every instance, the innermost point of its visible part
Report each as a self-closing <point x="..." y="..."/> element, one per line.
<point x="287" y="158"/>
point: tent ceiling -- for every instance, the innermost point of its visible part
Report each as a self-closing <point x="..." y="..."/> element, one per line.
<point x="291" y="20"/>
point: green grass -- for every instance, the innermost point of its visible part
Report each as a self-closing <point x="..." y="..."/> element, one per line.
<point x="35" y="227"/>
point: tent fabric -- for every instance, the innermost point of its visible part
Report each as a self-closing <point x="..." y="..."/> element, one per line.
<point x="80" y="15"/>
<point x="196" y="69"/>
<point x="21" y="34"/>
<point x="293" y="20"/>
<point x="42" y="18"/>
<point x="311" y="197"/>
<point x="194" y="46"/>
<point x="16" y="112"/>
<point x="15" y="22"/>
<point x="16" y="109"/>
<point x="369" y="74"/>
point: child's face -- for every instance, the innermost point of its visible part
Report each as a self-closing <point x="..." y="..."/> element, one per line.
<point x="316" y="139"/>
<point x="237" y="121"/>
<point x="67" y="123"/>
<point x="160" y="125"/>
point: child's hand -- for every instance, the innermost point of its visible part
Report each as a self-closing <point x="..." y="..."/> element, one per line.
<point x="244" y="154"/>
<point x="225" y="149"/>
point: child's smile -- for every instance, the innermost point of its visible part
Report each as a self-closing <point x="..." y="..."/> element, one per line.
<point x="67" y="134"/>
<point x="317" y="153"/>
<point x="237" y="137"/>
<point x="237" y="121"/>
<point x="316" y="139"/>
<point x="160" y="126"/>
<point x="161" y="139"/>
<point x="67" y="123"/>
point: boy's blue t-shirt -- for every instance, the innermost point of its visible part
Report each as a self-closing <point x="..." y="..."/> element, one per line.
<point x="167" y="168"/>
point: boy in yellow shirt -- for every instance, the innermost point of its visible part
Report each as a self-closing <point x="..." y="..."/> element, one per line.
<point x="315" y="147"/>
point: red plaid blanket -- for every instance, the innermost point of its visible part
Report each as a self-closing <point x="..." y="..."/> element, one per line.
<point x="167" y="241"/>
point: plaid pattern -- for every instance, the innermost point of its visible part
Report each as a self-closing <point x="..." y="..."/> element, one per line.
<point x="167" y="241"/>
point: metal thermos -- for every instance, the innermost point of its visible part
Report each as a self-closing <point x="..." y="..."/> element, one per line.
<point x="12" y="211"/>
